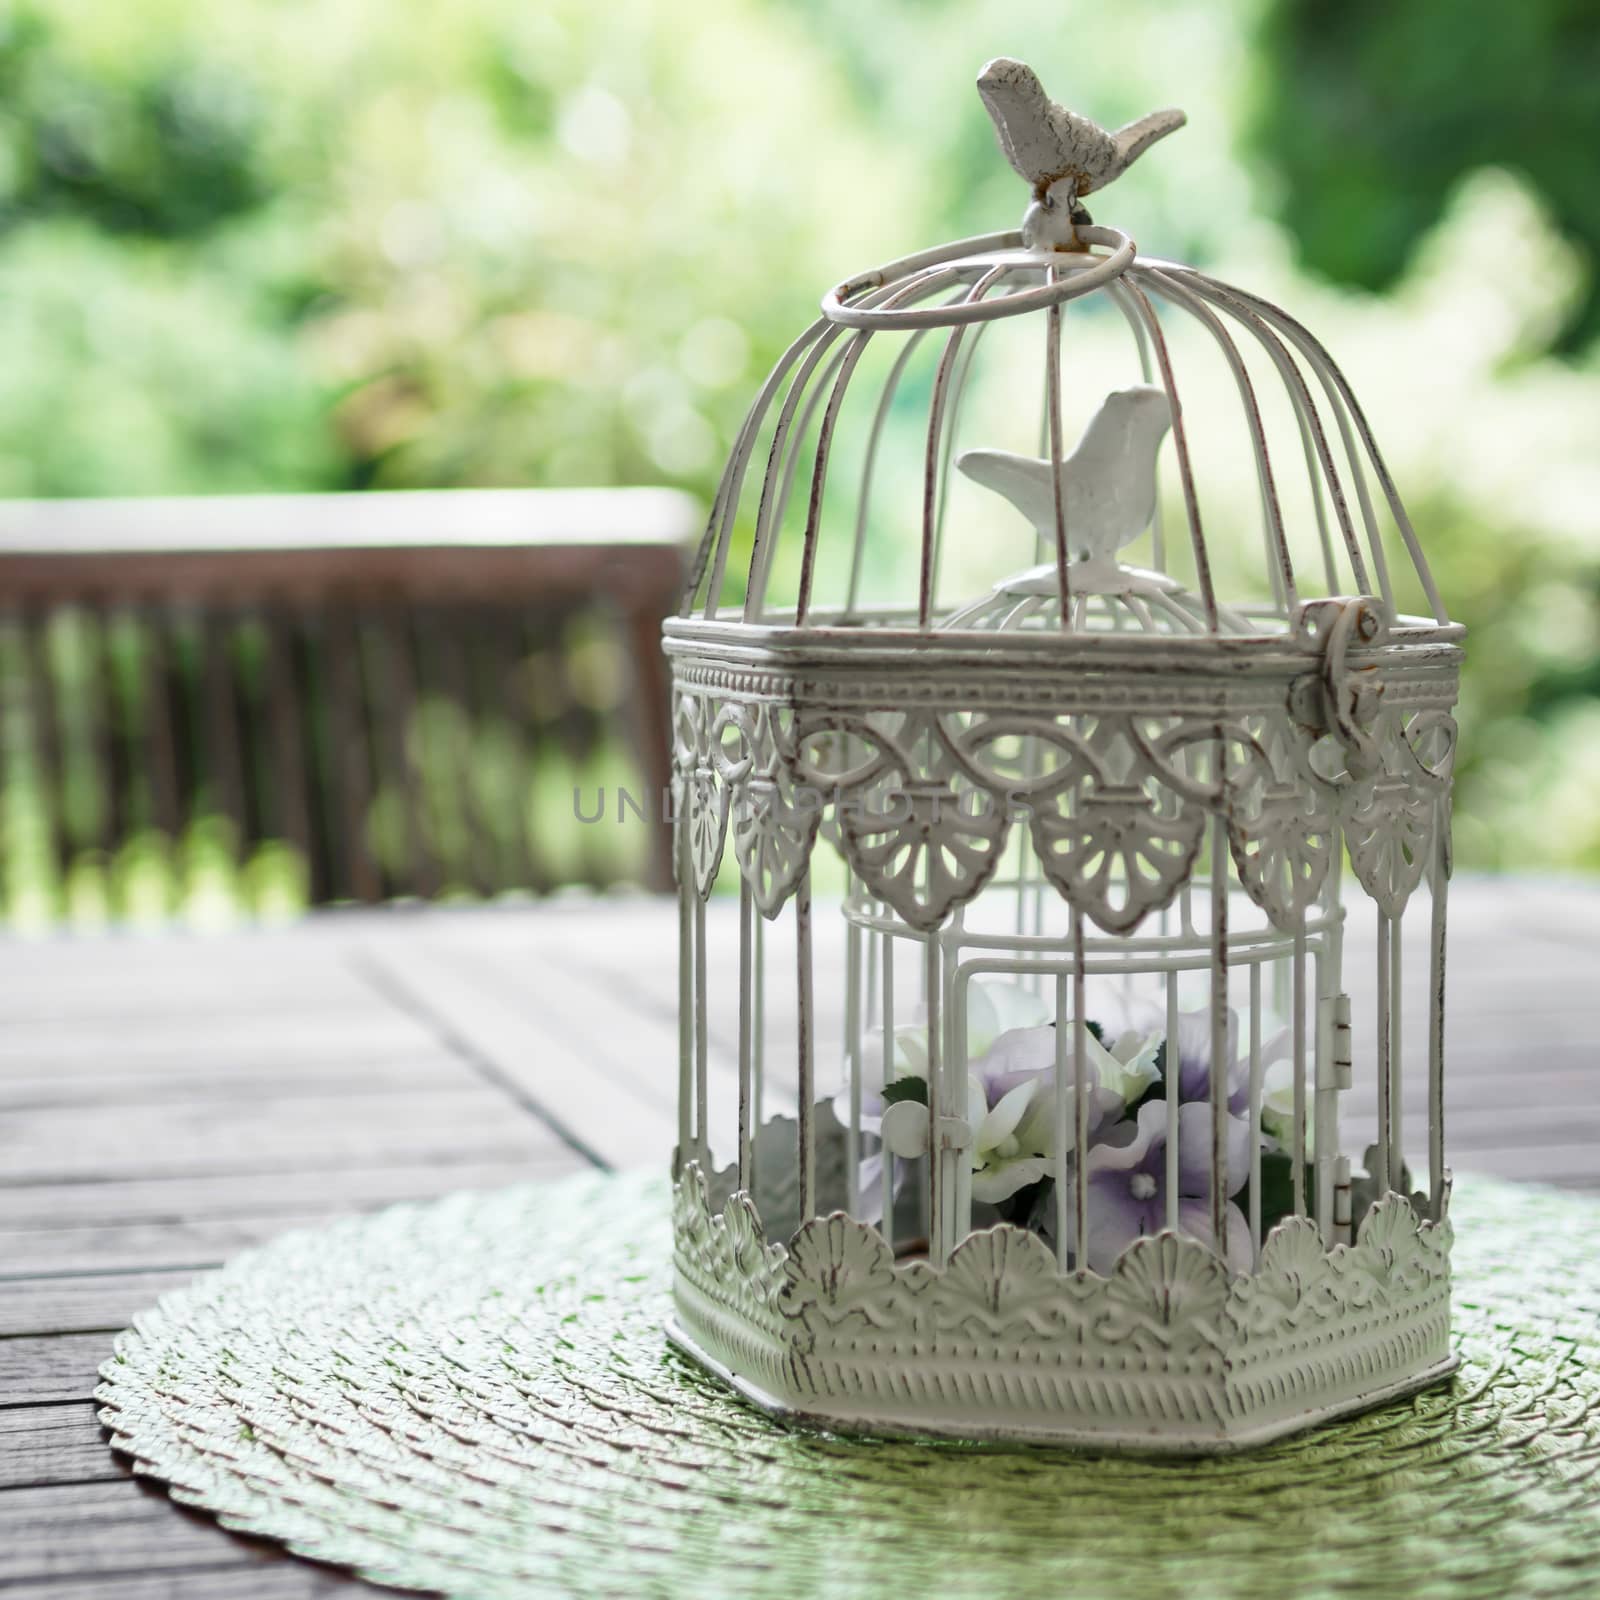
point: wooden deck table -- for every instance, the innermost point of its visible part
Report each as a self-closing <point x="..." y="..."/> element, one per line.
<point x="166" y="1101"/>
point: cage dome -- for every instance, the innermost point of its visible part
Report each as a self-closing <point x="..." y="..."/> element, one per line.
<point x="1017" y="1099"/>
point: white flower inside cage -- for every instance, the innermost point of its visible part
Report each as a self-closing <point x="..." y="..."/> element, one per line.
<point x="1088" y="1048"/>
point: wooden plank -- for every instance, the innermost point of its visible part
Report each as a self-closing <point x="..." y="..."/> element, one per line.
<point x="250" y="988"/>
<point x="202" y="1137"/>
<point x="47" y="1371"/>
<point x="173" y="1023"/>
<point x="54" y="1445"/>
<point x="79" y="1529"/>
<point x="1493" y="1107"/>
<point x="106" y="1079"/>
<point x="570" y="1076"/>
<point x="95" y="1302"/>
<point x="281" y="1580"/>
<point x="183" y="1242"/>
<point x="358" y="1186"/>
<point x="569" y="1009"/>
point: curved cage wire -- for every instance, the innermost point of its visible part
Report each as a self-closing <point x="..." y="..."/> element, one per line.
<point x="781" y="471"/>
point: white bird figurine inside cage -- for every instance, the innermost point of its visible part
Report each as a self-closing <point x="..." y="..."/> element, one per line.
<point x="1105" y="491"/>
<point x="1029" y="1089"/>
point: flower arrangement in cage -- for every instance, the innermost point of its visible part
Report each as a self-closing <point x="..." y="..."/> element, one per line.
<point x="1076" y="1169"/>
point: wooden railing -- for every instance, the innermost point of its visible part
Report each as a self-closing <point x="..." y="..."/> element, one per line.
<point x="394" y="694"/>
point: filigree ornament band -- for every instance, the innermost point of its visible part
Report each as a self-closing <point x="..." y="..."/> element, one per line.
<point x="1169" y="1353"/>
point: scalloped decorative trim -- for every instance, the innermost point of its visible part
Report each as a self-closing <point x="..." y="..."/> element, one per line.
<point x="1167" y="1353"/>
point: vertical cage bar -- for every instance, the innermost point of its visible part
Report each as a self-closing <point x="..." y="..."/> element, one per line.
<point x="1382" y="1175"/>
<point x="1255" y="1112"/>
<point x="1024" y="855"/>
<point x="1298" y="1024"/>
<point x="746" y="940"/>
<point x="1219" y="1028"/>
<point x="1336" y="1228"/>
<point x="1333" y="904"/>
<point x="852" y="1065"/>
<point x="702" y="1133"/>
<point x="1124" y="303"/>
<point x="888" y="1007"/>
<point x="1324" y="1105"/>
<point x="1062" y="1125"/>
<point x="1080" y="1095"/>
<point x="1174" y="1067"/>
<point x="888" y="1070"/>
<point x="1052" y="395"/>
<point x="758" y="1031"/>
<point x="685" y="996"/>
<point x="1436" y="930"/>
<point x="938" y="1241"/>
<point x="804" y="1045"/>
<point x="956" y="1034"/>
<point x="1397" y="1143"/>
<point x="870" y="1000"/>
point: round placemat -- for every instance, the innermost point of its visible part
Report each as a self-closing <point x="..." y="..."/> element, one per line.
<point x="474" y="1396"/>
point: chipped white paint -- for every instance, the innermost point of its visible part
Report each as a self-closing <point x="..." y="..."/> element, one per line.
<point x="1106" y="488"/>
<point x="1061" y="155"/>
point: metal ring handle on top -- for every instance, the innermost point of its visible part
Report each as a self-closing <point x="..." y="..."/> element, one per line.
<point x="1077" y="273"/>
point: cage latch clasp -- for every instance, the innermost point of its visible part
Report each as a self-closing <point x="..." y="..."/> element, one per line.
<point x="1339" y="698"/>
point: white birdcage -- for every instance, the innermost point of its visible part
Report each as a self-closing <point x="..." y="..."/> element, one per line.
<point x="1038" y="1133"/>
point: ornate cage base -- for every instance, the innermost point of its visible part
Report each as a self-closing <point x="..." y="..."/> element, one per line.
<point x="1168" y="1355"/>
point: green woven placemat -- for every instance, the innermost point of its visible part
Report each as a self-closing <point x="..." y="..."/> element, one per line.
<point x="474" y="1396"/>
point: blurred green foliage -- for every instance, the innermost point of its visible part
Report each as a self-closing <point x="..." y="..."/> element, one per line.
<point x="1371" y="113"/>
<point x="311" y="244"/>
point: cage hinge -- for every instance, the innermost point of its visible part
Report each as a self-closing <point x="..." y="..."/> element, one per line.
<point x="1336" y="1020"/>
<point x="1341" y="1200"/>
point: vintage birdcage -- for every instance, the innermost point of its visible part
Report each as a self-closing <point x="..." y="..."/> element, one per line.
<point x="1037" y="1134"/>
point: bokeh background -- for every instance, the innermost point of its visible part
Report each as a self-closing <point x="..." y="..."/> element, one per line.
<point x="276" y="245"/>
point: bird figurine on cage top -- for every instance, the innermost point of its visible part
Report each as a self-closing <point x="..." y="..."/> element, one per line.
<point x="1025" y="1089"/>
